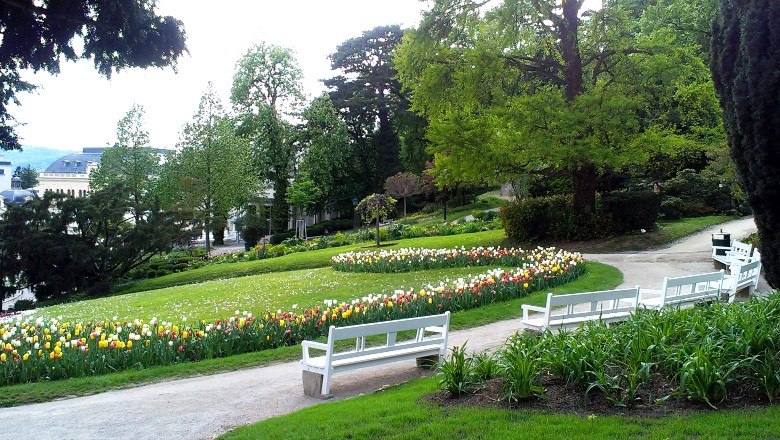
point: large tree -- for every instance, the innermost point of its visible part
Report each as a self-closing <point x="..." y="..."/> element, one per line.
<point x="745" y="66"/>
<point x="211" y="174"/>
<point x="130" y="160"/>
<point x="544" y="87"/>
<point x="57" y="245"/>
<point x="369" y="97"/>
<point x="266" y="86"/>
<point x="115" y="35"/>
<point x="329" y="157"/>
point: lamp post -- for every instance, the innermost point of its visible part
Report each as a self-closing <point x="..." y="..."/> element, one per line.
<point x="354" y="211"/>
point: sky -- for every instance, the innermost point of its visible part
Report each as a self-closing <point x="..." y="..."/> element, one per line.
<point x="79" y="108"/>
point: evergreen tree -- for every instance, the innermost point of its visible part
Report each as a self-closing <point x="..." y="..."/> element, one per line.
<point x="745" y="66"/>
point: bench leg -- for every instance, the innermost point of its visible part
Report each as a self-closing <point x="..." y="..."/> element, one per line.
<point x="314" y="385"/>
<point x="428" y="362"/>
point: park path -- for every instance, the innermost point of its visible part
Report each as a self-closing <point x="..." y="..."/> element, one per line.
<point x="206" y="406"/>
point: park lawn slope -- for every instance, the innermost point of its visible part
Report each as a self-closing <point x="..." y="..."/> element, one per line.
<point x="598" y="277"/>
<point x="307" y="260"/>
<point x="402" y="413"/>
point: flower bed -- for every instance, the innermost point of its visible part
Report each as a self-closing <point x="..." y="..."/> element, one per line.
<point x="718" y="354"/>
<point x="411" y="259"/>
<point x="35" y="350"/>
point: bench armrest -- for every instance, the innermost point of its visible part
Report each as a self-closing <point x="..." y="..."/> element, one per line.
<point x="436" y="329"/>
<point x="528" y="307"/>
<point x="306" y="345"/>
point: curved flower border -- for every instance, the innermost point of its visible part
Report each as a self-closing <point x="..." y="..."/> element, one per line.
<point x="35" y="350"/>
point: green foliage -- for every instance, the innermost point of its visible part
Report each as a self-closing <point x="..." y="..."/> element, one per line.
<point x="702" y="194"/>
<point x="368" y="96"/>
<point x="303" y="192"/>
<point x="376" y="208"/>
<point x="60" y="245"/>
<point x="267" y="84"/>
<point x="28" y="176"/>
<point x="580" y="95"/>
<point x="115" y="36"/>
<point x="211" y="174"/>
<point x="629" y="211"/>
<point x="24" y="304"/>
<point x="131" y="161"/>
<point x="704" y="354"/>
<point x="554" y="217"/>
<point x="743" y="55"/>
<point x="456" y="374"/>
<point x="329" y="157"/>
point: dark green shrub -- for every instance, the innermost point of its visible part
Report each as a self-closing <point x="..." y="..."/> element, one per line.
<point x="457" y="372"/>
<point x="537" y="218"/>
<point x="281" y="236"/>
<point x="24" y="304"/>
<point x="332" y="226"/>
<point x="630" y="211"/>
<point x="702" y="195"/>
<point x="672" y="208"/>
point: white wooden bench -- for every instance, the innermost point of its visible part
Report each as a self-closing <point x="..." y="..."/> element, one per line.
<point x="571" y="310"/>
<point x="682" y="291"/>
<point x="729" y="254"/>
<point x="742" y="276"/>
<point x="427" y="349"/>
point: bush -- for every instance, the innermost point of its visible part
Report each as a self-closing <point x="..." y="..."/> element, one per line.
<point x="672" y="208"/>
<point x="543" y="218"/>
<point x="281" y="236"/>
<point x="484" y="215"/>
<point x="332" y="226"/>
<point x="702" y="195"/>
<point x="537" y="218"/>
<point x="24" y="304"/>
<point x="630" y="211"/>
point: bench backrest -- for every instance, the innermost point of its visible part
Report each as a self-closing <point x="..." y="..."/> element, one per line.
<point x="741" y="249"/>
<point x="746" y="274"/>
<point x="691" y="288"/>
<point x="595" y="303"/>
<point x="438" y="323"/>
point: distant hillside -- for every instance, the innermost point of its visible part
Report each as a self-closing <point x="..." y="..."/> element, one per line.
<point x="37" y="157"/>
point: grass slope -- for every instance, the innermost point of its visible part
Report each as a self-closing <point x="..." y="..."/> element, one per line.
<point x="307" y="260"/>
<point x="402" y="413"/>
<point x="598" y="277"/>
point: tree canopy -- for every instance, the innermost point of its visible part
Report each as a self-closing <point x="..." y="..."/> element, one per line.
<point x="130" y="160"/>
<point x="28" y="176"/>
<point x="114" y="35"/>
<point x="515" y="88"/>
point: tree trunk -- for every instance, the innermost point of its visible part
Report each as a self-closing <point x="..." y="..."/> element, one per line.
<point x="404" y="208"/>
<point x="572" y="60"/>
<point x="584" y="182"/>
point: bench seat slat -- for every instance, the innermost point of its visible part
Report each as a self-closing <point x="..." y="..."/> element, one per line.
<point x="377" y="358"/>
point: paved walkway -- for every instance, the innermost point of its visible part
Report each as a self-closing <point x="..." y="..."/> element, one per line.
<point x="203" y="407"/>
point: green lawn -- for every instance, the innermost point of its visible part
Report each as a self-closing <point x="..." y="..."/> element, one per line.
<point x="668" y="232"/>
<point x="308" y="260"/>
<point x="256" y="293"/>
<point x="401" y="413"/>
<point x="598" y="277"/>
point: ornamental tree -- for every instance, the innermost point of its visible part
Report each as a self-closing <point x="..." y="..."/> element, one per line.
<point x="745" y="64"/>
<point x="115" y="35"/>
<point x="404" y="185"/>
<point x="376" y="208"/>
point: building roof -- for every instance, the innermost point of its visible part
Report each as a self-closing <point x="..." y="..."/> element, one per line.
<point x="76" y="163"/>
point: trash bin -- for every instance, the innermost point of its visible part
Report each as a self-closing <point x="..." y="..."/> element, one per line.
<point x="722" y="239"/>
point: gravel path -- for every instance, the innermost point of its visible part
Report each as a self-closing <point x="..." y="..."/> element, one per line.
<point x="206" y="406"/>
